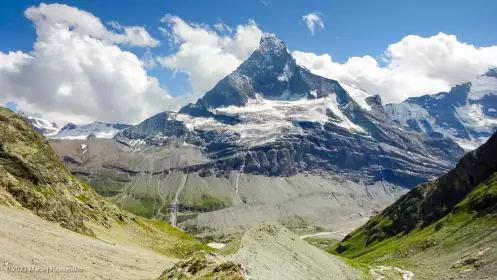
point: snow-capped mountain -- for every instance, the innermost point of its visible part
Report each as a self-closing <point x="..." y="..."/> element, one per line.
<point x="99" y="129"/>
<point x="467" y="113"/>
<point x="270" y="141"/>
<point x="271" y="73"/>
<point x="276" y="117"/>
<point x="45" y="127"/>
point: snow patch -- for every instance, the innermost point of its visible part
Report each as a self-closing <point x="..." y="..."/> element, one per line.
<point x="467" y="145"/>
<point x="218" y="246"/>
<point x="406" y="111"/>
<point x="286" y="75"/>
<point x="481" y="86"/>
<point x="358" y="95"/>
<point x="84" y="148"/>
<point x="472" y="116"/>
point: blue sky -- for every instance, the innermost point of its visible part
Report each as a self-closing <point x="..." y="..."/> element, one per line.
<point x="351" y="28"/>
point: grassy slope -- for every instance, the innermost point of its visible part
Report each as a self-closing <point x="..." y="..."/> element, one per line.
<point x="432" y="250"/>
<point x="31" y="176"/>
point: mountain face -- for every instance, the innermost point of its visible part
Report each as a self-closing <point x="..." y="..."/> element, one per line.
<point x="43" y="126"/>
<point x="467" y="113"/>
<point x="98" y="129"/>
<point x="269" y="141"/>
<point x="274" y="117"/>
<point x="454" y="216"/>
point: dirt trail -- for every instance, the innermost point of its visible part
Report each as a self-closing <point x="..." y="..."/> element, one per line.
<point x="27" y="240"/>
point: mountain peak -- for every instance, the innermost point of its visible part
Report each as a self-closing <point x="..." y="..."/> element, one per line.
<point x="270" y="43"/>
<point x="68" y="126"/>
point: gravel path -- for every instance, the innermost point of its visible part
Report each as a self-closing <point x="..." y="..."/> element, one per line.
<point x="27" y="241"/>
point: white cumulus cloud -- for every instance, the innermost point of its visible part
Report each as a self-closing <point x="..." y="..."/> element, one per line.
<point x="77" y="73"/>
<point x="414" y="66"/>
<point x="312" y="20"/>
<point x="207" y="54"/>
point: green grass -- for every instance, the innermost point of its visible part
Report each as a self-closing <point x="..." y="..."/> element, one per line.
<point x="232" y="247"/>
<point x="448" y="234"/>
<point x="471" y="221"/>
<point x="322" y="243"/>
<point x="483" y="198"/>
<point x="47" y="191"/>
<point x="211" y="203"/>
<point x="181" y="243"/>
<point x="165" y="227"/>
<point x="83" y="198"/>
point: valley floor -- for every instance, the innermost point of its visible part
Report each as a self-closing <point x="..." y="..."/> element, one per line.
<point x="27" y="241"/>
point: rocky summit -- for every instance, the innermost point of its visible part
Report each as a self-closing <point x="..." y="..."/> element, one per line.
<point x="271" y="141"/>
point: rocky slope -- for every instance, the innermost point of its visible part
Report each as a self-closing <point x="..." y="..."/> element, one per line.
<point x="29" y="241"/>
<point x="447" y="226"/>
<point x="32" y="177"/>
<point x="270" y="141"/>
<point x="467" y="113"/>
<point x="267" y="251"/>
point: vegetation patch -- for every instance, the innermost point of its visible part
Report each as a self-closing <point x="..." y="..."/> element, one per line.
<point x="232" y="247"/>
<point x="472" y="220"/>
<point x="322" y="243"/>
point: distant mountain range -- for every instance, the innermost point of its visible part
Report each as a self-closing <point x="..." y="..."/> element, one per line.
<point x="98" y="129"/>
<point x="73" y="131"/>
<point x="45" y="127"/>
<point x="467" y="113"/>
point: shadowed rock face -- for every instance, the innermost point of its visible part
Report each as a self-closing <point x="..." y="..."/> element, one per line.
<point x="155" y="129"/>
<point x="270" y="120"/>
